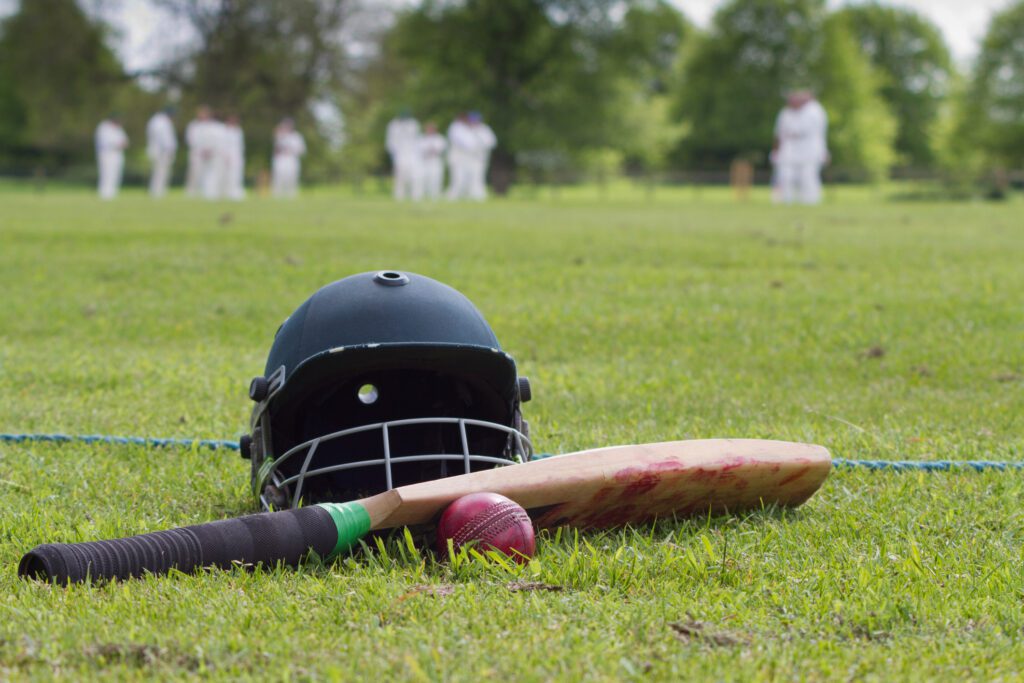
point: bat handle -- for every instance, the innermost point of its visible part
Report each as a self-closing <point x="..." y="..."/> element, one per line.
<point x="267" y="538"/>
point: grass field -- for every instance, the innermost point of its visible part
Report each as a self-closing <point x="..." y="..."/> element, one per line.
<point x="878" y="329"/>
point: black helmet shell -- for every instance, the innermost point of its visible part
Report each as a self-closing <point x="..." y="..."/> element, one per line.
<point x="377" y="320"/>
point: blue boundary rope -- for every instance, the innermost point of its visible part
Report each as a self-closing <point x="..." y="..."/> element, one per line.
<point x="215" y="444"/>
<point x="927" y="465"/>
<point x="212" y="444"/>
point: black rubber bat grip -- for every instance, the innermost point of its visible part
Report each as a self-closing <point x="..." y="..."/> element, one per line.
<point x="266" y="538"/>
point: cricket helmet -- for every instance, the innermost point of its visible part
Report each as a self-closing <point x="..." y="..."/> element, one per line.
<point x="380" y="380"/>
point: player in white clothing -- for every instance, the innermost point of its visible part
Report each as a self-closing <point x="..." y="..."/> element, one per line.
<point x="470" y="142"/>
<point x="161" y="146"/>
<point x="432" y="146"/>
<point x="233" y="152"/>
<point x="800" y="148"/>
<point x="484" y="141"/>
<point x="286" y="166"/>
<point x="403" y="135"/>
<point x="204" y="138"/>
<point x="111" y="142"/>
<point x="458" y="158"/>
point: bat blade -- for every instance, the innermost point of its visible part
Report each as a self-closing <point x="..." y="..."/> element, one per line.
<point x="627" y="484"/>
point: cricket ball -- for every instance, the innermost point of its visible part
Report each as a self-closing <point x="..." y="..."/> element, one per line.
<point x="490" y="519"/>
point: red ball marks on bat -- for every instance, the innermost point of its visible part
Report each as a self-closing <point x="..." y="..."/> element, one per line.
<point x="490" y="519"/>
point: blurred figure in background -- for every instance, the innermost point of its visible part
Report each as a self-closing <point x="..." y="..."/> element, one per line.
<point x="459" y="143"/>
<point x="432" y="146"/>
<point x="402" y="142"/>
<point x="234" y="159"/>
<point x="214" y="179"/>
<point x="161" y="146"/>
<point x="471" y="141"/>
<point x="484" y="141"/>
<point x="111" y="142"/>
<point x="203" y="136"/>
<point x="285" y="168"/>
<point x="800" y="148"/>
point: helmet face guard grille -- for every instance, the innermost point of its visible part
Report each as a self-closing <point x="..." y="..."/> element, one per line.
<point x="280" y="484"/>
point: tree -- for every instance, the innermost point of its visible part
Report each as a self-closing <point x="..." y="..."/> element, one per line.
<point x="12" y="117"/>
<point x="265" y="59"/>
<point x="734" y="81"/>
<point x="58" y="88"/>
<point x="647" y="48"/>
<point x="547" y="74"/>
<point x="647" y="45"/>
<point x="861" y="127"/>
<point x="992" y="115"/>
<point x="910" y="54"/>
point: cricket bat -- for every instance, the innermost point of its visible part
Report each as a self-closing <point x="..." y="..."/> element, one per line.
<point x="596" y="488"/>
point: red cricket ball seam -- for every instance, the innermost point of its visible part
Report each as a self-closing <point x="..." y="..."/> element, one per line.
<point x="503" y="516"/>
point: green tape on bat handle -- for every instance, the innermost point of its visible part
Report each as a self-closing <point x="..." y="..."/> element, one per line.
<point x="353" y="522"/>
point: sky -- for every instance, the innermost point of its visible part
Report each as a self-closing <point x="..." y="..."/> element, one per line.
<point x="145" y="34"/>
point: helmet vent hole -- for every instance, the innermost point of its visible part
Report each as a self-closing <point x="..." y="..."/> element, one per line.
<point x="391" y="278"/>
<point x="368" y="394"/>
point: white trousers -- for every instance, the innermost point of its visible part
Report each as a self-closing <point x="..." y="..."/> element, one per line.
<point x="111" y="166"/>
<point x="799" y="182"/>
<point x="460" y="179"/>
<point x="407" y="179"/>
<point x="160" y="176"/>
<point x="433" y="178"/>
<point x="477" y="179"/>
<point x="210" y="176"/>
<point x="234" y="177"/>
<point x="285" y="171"/>
<point x="192" y="174"/>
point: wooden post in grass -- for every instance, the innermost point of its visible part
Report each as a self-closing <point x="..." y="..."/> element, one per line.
<point x="741" y="176"/>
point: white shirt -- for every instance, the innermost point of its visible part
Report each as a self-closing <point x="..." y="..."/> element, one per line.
<point x="234" y="141"/>
<point x="289" y="144"/>
<point x="204" y="136"/>
<point x="110" y="137"/>
<point x="160" y="135"/>
<point x="432" y="147"/>
<point x="802" y="134"/>
<point x="402" y="136"/>
<point x="220" y="137"/>
<point x="471" y="140"/>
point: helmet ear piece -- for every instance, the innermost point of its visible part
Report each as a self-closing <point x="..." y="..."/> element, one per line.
<point x="259" y="387"/>
<point x="525" y="392"/>
<point x="245" y="447"/>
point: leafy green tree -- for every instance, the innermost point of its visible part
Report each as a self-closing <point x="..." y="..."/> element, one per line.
<point x="734" y="81"/>
<point x="992" y="114"/>
<point x="648" y="48"/>
<point x="58" y="79"/>
<point x="263" y="59"/>
<point x="909" y="53"/>
<point x="548" y="75"/>
<point x="861" y="127"/>
<point x="12" y="118"/>
<point x="648" y="43"/>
